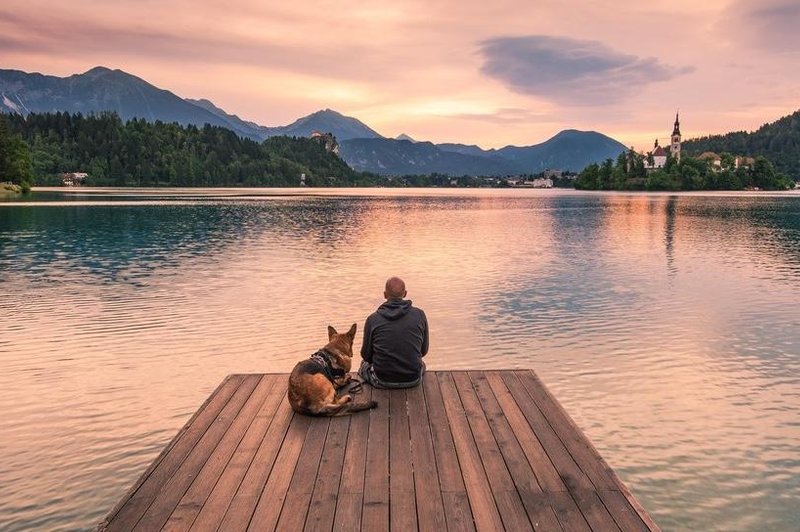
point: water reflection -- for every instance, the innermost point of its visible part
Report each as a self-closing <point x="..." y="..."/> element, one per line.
<point x="666" y="324"/>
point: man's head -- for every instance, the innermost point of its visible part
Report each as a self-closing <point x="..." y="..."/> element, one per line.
<point x="395" y="288"/>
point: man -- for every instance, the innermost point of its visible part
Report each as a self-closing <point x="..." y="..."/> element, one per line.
<point x="395" y="340"/>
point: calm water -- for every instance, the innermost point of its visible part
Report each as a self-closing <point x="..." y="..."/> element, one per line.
<point x="668" y="326"/>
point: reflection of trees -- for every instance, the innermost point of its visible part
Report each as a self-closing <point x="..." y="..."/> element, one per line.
<point x="130" y="243"/>
<point x="765" y="227"/>
<point x="669" y="235"/>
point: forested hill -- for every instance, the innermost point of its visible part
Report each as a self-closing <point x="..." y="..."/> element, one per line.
<point x="779" y="142"/>
<point x="140" y="153"/>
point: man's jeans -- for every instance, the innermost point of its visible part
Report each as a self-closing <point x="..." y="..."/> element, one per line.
<point x="367" y="373"/>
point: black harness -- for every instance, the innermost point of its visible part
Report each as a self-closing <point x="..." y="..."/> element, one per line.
<point x="325" y="361"/>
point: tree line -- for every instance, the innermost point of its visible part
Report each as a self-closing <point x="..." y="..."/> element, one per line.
<point x="15" y="158"/>
<point x="629" y="172"/>
<point x="141" y="153"/>
<point x="778" y="141"/>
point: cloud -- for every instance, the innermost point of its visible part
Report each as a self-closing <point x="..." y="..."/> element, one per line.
<point x="570" y="71"/>
<point x="768" y="24"/>
<point x="34" y="33"/>
<point x="505" y="115"/>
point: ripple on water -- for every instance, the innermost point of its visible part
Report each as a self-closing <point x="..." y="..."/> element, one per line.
<point x="666" y="326"/>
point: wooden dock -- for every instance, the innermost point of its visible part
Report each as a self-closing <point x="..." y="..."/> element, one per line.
<point x="467" y="450"/>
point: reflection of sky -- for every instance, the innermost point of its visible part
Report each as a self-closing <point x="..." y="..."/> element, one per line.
<point x="667" y="325"/>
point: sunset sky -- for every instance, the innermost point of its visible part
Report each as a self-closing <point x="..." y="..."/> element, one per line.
<point x="513" y="73"/>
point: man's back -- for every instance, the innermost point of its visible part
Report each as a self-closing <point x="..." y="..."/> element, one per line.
<point x="395" y="340"/>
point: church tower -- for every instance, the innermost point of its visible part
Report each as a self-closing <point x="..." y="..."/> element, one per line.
<point x="675" y="144"/>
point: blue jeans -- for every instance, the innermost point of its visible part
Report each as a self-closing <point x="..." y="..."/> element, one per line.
<point x="367" y="373"/>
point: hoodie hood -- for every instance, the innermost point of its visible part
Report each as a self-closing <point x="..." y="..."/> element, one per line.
<point x="394" y="308"/>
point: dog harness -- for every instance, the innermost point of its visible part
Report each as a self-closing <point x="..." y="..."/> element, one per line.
<point x="323" y="358"/>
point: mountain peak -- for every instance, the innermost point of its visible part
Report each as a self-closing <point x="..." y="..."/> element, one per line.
<point x="403" y="136"/>
<point x="97" y="70"/>
<point x="329" y="121"/>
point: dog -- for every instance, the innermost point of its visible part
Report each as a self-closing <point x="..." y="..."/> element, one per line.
<point x="314" y="381"/>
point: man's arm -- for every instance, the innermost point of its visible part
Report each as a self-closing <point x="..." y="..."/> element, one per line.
<point x="424" y="350"/>
<point x="366" y="345"/>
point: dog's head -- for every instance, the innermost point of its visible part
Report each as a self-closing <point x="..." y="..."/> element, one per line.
<point x="341" y="347"/>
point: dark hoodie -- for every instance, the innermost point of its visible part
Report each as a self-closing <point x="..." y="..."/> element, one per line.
<point x="395" y="340"/>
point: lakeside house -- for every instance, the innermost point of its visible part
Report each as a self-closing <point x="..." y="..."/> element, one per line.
<point x="73" y="179"/>
<point x="538" y="182"/>
<point x="715" y="161"/>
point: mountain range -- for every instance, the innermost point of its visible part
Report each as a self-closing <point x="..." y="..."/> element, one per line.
<point x="103" y="89"/>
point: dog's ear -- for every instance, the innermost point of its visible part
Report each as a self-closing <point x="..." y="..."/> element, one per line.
<point x="331" y="332"/>
<point x="352" y="332"/>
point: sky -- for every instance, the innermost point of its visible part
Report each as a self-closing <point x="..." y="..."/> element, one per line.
<point x="476" y="72"/>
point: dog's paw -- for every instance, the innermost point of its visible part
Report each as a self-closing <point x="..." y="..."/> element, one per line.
<point x="346" y="398"/>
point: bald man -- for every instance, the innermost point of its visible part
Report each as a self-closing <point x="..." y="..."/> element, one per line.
<point x="395" y="340"/>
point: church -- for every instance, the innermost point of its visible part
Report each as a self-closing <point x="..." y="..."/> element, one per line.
<point x="659" y="154"/>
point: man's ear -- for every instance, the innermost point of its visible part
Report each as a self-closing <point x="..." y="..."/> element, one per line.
<point x="331" y="332"/>
<point x="352" y="332"/>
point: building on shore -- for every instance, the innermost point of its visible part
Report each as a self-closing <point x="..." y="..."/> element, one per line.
<point x="735" y="162"/>
<point x="73" y="179"/>
<point x="658" y="157"/>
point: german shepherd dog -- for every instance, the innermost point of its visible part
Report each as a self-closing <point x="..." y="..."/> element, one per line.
<point x="314" y="381"/>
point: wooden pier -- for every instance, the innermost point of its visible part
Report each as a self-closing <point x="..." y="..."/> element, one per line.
<point x="467" y="450"/>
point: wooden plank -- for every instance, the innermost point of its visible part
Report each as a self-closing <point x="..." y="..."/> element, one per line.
<point x="543" y="469"/>
<point x="163" y="505"/>
<point x="351" y="486"/>
<point x="584" y="453"/>
<point x="402" y="503"/>
<point x="217" y="503"/>
<point x="322" y="508"/>
<point x="481" y="501"/>
<point x="594" y="511"/>
<point x="464" y="451"/>
<point x="457" y="511"/>
<point x="571" y="475"/>
<point x="270" y="502"/>
<point x="244" y="501"/>
<point x="624" y="514"/>
<point x="130" y="509"/>
<point x="195" y="497"/>
<point x="542" y="517"/>
<point x="505" y="493"/>
<point x="568" y="513"/>
<point x="295" y="507"/>
<point x="427" y="490"/>
<point x="375" y="511"/>
<point x="603" y="469"/>
<point x="585" y="497"/>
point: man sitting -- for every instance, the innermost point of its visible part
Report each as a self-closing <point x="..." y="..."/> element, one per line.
<point x="395" y="340"/>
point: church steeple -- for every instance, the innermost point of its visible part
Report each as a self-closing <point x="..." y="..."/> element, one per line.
<point x="675" y="141"/>
<point x="677" y="129"/>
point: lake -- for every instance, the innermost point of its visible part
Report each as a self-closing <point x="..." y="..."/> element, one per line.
<point x="667" y="325"/>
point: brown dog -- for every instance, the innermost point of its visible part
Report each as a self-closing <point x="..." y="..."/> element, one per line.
<point x="313" y="382"/>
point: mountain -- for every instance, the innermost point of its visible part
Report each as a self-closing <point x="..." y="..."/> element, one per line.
<point x="328" y="121"/>
<point x="466" y="149"/>
<point x="778" y="141"/>
<point x="403" y="136"/>
<point x="101" y="89"/>
<point x="570" y="149"/>
<point x="403" y="157"/>
<point x="235" y="123"/>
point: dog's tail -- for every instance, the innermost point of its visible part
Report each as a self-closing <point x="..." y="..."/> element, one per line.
<point x="352" y="408"/>
<point x="358" y="407"/>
